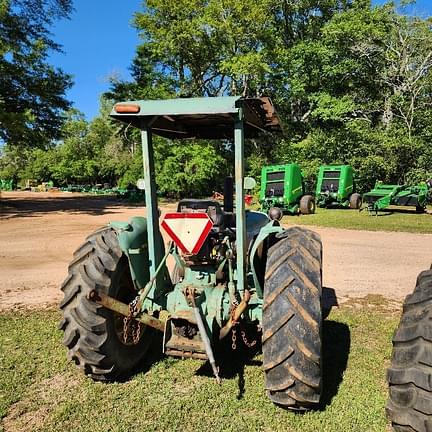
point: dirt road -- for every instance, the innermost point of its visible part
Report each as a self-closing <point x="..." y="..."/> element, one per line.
<point x="40" y="231"/>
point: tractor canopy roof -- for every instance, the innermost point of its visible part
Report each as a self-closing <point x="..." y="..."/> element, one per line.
<point x="209" y="118"/>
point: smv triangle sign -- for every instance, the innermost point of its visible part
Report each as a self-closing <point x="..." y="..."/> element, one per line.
<point x="187" y="230"/>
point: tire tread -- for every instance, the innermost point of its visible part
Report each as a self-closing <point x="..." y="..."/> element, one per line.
<point x="409" y="406"/>
<point x="292" y="320"/>
<point x="85" y="323"/>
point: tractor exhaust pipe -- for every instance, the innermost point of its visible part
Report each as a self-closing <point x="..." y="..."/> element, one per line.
<point x="229" y="194"/>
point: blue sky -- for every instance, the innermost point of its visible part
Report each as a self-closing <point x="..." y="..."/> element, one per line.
<point x="99" y="41"/>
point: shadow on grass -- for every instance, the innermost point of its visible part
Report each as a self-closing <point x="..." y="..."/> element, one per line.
<point x="398" y="210"/>
<point x="153" y="355"/>
<point x="336" y="342"/>
<point x="336" y="347"/>
<point x="232" y="361"/>
<point x="335" y="350"/>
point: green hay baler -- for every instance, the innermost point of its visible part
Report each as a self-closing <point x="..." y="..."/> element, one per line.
<point x="282" y="187"/>
<point x="336" y="187"/>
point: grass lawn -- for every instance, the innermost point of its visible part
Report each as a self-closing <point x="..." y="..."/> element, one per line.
<point x="41" y="391"/>
<point x="406" y="221"/>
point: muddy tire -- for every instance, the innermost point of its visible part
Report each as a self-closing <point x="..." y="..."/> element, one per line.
<point x="292" y="320"/>
<point x="410" y="375"/>
<point x="92" y="333"/>
<point x="355" y="201"/>
<point x="307" y="204"/>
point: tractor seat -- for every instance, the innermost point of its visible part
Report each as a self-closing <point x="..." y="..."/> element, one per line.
<point x="213" y="208"/>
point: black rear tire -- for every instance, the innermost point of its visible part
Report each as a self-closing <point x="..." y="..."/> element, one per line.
<point x="92" y="333"/>
<point x="355" y="201"/>
<point x="292" y="320"/>
<point x="410" y="375"/>
<point x="307" y="204"/>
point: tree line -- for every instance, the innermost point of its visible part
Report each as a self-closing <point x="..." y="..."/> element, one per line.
<point x="351" y="82"/>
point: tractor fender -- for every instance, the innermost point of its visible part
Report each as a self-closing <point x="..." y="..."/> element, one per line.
<point x="132" y="238"/>
<point x="255" y="220"/>
<point x="257" y="265"/>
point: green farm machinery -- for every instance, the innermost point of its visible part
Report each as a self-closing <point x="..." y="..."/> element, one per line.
<point x="382" y="196"/>
<point x="283" y="191"/>
<point x="6" y="185"/>
<point x="336" y="187"/>
<point x="237" y="279"/>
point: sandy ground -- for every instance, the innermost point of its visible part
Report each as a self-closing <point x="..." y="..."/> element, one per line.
<point x="40" y="231"/>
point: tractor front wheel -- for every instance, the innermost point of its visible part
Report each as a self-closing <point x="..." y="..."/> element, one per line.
<point x="410" y="374"/>
<point x="292" y="320"/>
<point x="93" y="334"/>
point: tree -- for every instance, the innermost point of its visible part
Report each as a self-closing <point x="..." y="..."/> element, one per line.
<point x="194" y="169"/>
<point x="31" y="90"/>
<point x="407" y="77"/>
<point x="213" y="47"/>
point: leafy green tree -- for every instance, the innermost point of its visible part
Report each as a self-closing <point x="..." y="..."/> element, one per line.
<point x="194" y="169"/>
<point x="351" y="81"/>
<point x="13" y="161"/>
<point x="210" y="48"/>
<point x="31" y="90"/>
<point x="230" y="47"/>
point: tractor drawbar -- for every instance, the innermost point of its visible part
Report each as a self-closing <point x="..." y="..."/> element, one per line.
<point x="123" y="309"/>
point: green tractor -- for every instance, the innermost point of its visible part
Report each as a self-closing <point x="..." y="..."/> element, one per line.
<point x="409" y="406"/>
<point x="239" y="280"/>
<point x="283" y="191"/>
<point x="336" y="187"/>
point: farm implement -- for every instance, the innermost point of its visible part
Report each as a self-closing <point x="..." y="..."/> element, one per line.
<point x="238" y="278"/>
<point x="382" y="196"/>
<point x="336" y="187"/>
<point x="283" y="190"/>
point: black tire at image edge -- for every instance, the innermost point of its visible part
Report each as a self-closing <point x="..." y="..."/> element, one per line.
<point x="409" y="406"/>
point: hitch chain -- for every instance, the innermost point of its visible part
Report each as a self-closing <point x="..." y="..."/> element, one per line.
<point x="234" y="323"/>
<point x="234" y="339"/>
<point x="131" y="327"/>
<point x="246" y="342"/>
<point x="242" y="333"/>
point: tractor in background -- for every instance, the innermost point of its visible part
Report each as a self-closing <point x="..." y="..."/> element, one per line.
<point x="335" y="187"/>
<point x="283" y="191"/>
<point x="232" y="268"/>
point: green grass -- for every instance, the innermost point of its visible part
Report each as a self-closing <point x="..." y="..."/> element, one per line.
<point x="41" y="391"/>
<point x="406" y="221"/>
